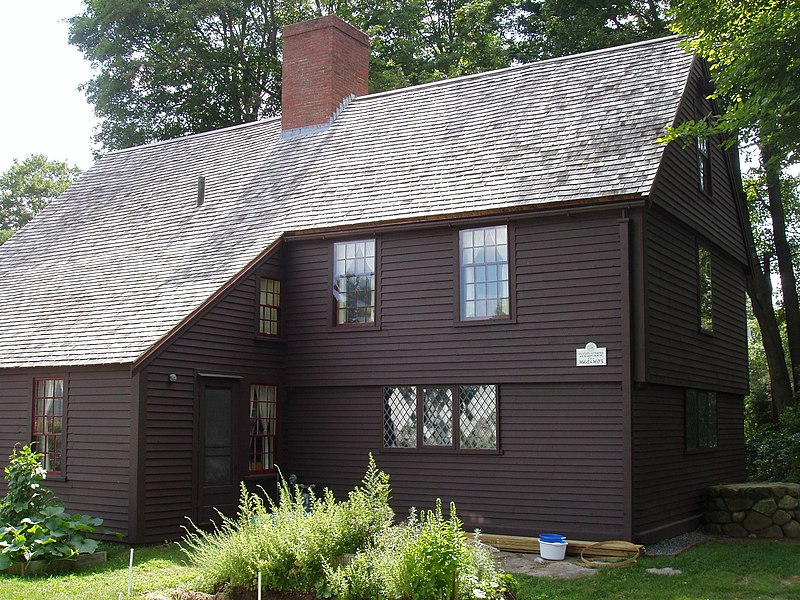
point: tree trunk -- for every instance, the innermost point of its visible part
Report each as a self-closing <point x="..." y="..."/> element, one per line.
<point x="759" y="288"/>
<point x="785" y="267"/>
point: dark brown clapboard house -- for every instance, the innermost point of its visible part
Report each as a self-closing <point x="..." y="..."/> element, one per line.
<point x="501" y="285"/>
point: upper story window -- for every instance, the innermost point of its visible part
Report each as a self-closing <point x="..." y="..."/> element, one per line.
<point x="701" y="420"/>
<point x="483" y="273"/>
<point x="704" y="164"/>
<point x="706" y="303"/>
<point x="354" y="282"/>
<point x="48" y="422"/>
<point x="269" y="307"/>
<point x="263" y="428"/>
<point x="460" y="417"/>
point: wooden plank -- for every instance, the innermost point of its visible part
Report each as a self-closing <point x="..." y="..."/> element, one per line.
<point x="529" y="545"/>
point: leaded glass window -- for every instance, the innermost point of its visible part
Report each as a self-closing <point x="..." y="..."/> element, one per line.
<point x="478" y="416"/>
<point x="48" y="422"/>
<point x="354" y="282"/>
<point x="484" y="273"/>
<point x="701" y="420"/>
<point x="473" y="425"/>
<point x="400" y="417"/>
<point x="437" y="411"/>
<point x="263" y="428"/>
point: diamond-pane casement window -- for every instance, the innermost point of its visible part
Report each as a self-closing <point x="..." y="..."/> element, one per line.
<point x="263" y="425"/>
<point x="269" y="305"/>
<point x="354" y="282"/>
<point x="484" y="273"/>
<point x="48" y="422"/>
<point x="399" y="417"/>
<point x="701" y="420"/>
<point x="478" y="416"/>
<point x="437" y="414"/>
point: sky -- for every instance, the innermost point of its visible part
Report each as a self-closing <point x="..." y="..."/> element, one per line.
<point x="41" y="109"/>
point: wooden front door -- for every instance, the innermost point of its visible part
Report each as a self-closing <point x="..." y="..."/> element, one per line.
<point x="218" y="485"/>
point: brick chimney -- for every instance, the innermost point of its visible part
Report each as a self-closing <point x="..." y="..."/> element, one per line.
<point x="325" y="62"/>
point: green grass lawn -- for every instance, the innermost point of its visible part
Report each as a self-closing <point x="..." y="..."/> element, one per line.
<point x="748" y="570"/>
<point x="154" y="568"/>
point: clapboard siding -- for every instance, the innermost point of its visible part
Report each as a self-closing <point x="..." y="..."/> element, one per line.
<point x="97" y="424"/>
<point x="567" y="293"/>
<point x="678" y="353"/>
<point x="222" y="341"/>
<point x="560" y="466"/>
<point x="676" y="187"/>
<point x="669" y="484"/>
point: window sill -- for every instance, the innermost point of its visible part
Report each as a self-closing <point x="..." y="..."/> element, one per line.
<point x="260" y="476"/>
<point x="442" y="451"/>
<point x="270" y="339"/>
<point x="695" y="451"/>
<point x="55" y="477"/>
<point x="355" y="328"/>
<point x="491" y="322"/>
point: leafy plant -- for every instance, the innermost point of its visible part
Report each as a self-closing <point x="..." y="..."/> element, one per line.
<point x="348" y="550"/>
<point x="33" y="525"/>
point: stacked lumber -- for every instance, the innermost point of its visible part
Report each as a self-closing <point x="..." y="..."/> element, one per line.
<point x="515" y="543"/>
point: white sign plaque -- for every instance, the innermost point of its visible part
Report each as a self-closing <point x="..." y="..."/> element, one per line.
<point x="590" y="356"/>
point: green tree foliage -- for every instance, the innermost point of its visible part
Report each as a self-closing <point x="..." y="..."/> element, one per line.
<point x="549" y="28"/>
<point x="752" y="50"/>
<point x="27" y="187"/>
<point x="169" y="67"/>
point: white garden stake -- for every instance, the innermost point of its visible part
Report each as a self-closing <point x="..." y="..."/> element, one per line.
<point x="130" y="573"/>
<point x="259" y="585"/>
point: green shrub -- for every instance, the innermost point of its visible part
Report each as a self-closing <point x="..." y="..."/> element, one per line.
<point x="33" y="525"/>
<point x="287" y="545"/>
<point x="297" y="551"/>
<point x="428" y="558"/>
<point x="773" y="454"/>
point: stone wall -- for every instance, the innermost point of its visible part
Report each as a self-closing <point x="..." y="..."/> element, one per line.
<point x="767" y="510"/>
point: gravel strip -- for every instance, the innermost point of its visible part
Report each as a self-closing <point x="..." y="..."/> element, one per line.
<point x="678" y="544"/>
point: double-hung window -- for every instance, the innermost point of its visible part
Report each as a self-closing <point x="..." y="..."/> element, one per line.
<point x="48" y="422"/>
<point x="354" y="282"/>
<point x="484" y="273"/>
<point x="462" y="417"/>
<point x="263" y="428"/>
<point x="269" y="307"/>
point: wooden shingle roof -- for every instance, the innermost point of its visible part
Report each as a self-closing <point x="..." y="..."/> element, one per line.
<point x="117" y="261"/>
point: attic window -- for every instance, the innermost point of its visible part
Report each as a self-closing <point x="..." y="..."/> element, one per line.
<point x="354" y="282"/>
<point x="269" y="307"/>
<point x="704" y="164"/>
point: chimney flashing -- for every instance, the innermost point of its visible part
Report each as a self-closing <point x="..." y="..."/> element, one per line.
<point x="289" y="134"/>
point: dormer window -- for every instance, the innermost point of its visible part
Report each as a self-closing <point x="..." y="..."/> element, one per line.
<point x="354" y="282"/>
<point x="704" y="164"/>
<point x="269" y="307"/>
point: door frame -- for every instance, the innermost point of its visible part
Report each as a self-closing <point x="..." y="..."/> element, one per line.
<point x="204" y="380"/>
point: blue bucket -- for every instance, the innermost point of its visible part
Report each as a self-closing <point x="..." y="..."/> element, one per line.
<point x="552" y="538"/>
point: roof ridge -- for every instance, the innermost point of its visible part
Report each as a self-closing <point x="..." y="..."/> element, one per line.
<point x="522" y="66"/>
